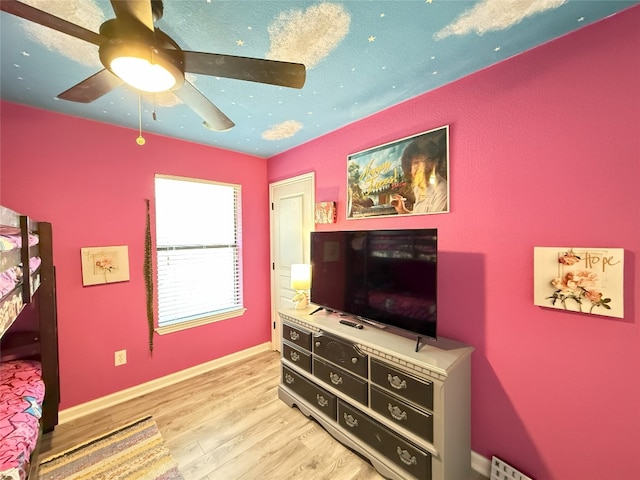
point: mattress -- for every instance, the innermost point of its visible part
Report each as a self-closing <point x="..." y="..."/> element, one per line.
<point x="11" y="276"/>
<point x="21" y="397"/>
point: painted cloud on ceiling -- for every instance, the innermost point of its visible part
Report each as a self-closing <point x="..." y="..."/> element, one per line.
<point x="81" y="12"/>
<point x="308" y="36"/>
<point x="305" y="37"/>
<point x="282" y="130"/>
<point x="492" y="15"/>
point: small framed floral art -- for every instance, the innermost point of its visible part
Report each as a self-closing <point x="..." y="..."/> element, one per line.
<point x="586" y="280"/>
<point x="105" y="265"/>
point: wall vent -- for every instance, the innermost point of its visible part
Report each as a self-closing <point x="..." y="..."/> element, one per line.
<point x="500" y="470"/>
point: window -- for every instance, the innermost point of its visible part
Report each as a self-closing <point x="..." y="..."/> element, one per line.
<point x="198" y="252"/>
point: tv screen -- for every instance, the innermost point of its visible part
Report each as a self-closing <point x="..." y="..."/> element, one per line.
<point x="387" y="276"/>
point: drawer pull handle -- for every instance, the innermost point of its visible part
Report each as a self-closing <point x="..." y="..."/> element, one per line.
<point x="396" y="383"/>
<point x="288" y="379"/>
<point x="323" y="402"/>
<point x="318" y="344"/>
<point x="350" y="421"/>
<point x="354" y="360"/>
<point x="406" y="457"/>
<point x="335" y="378"/>
<point x="295" y="356"/>
<point x="396" y="412"/>
<point x="294" y="335"/>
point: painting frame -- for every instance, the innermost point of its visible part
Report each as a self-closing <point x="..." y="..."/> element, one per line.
<point x="382" y="182"/>
<point x="586" y="280"/>
<point x="102" y="265"/>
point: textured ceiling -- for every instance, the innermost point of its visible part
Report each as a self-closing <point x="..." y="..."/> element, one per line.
<point x="361" y="57"/>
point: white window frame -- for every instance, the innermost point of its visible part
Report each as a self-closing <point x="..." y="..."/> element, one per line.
<point x="173" y="242"/>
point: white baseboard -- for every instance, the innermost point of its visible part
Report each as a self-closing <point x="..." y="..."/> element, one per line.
<point x="480" y="464"/>
<point x="73" y="413"/>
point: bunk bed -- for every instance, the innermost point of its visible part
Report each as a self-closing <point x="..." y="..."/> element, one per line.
<point x="29" y="382"/>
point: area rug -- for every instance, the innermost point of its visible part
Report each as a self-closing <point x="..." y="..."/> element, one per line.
<point x="134" y="452"/>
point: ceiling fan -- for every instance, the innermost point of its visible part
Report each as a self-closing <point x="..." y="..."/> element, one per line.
<point x="135" y="52"/>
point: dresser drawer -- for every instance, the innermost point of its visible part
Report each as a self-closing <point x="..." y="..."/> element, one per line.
<point x="296" y="335"/>
<point x="340" y="379"/>
<point x="300" y="357"/>
<point x="403" y="384"/>
<point x="398" y="450"/>
<point x="316" y="396"/>
<point x="341" y="353"/>
<point x="401" y="413"/>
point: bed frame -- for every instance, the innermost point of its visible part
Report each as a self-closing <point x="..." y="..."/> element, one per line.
<point x="28" y="314"/>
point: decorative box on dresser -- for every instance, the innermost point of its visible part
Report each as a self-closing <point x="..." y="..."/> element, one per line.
<point x="406" y="411"/>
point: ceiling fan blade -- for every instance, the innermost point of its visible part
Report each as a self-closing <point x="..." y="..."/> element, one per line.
<point x="40" y="17"/>
<point x="213" y="118"/>
<point x="273" y="72"/>
<point x="92" y="88"/>
<point x="139" y="10"/>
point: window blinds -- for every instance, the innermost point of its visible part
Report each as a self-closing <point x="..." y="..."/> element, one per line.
<point x="197" y="246"/>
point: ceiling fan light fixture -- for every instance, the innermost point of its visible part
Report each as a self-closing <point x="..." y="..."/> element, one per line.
<point x="143" y="75"/>
<point x="144" y="68"/>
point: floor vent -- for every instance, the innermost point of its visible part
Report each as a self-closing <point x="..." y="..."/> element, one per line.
<point x="501" y="470"/>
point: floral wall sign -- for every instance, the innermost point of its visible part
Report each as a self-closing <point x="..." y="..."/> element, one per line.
<point x="587" y="280"/>
<point x="105" y="264"/>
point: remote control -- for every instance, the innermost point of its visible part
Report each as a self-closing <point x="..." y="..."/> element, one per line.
<point x="351" y="324"/>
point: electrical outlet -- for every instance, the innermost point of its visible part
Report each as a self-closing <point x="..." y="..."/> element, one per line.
<point x="121" y="357"/>
<point x="501" y="470"/>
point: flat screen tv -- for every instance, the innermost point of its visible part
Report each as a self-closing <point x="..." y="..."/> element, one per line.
<point x="385" y="276"/>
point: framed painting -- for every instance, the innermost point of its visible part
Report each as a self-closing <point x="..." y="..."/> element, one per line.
<point x="586" y="280"/>
<point x="105" y="264"/>
<point x="409" y="176"/>
<point x="325" y="212"/>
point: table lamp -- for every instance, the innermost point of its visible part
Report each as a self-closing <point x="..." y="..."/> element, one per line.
<point x="301" y="282"/>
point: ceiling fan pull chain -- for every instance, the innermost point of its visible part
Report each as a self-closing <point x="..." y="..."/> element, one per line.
<point x="153" y="113"/>
<point x="140" y="140"/>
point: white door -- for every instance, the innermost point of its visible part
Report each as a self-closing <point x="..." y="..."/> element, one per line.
<point x="292" y="205"/>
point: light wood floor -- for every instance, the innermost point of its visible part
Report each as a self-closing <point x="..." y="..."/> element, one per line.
<point x="229" y="424"/>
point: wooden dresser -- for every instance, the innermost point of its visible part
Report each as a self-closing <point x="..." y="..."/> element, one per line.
<point x="407" y="412"/>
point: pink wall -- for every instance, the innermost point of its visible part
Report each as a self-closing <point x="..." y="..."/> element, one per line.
<point x="545" y="150"/>
<point x="90" y="180"/>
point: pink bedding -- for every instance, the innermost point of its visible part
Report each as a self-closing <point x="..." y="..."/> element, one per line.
<point x="10" y="277"/>
<point x="21" y="397"/>
<point x="9" y="242"/>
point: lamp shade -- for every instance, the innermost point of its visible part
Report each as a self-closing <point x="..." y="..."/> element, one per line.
<point x="301" y="276"/>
